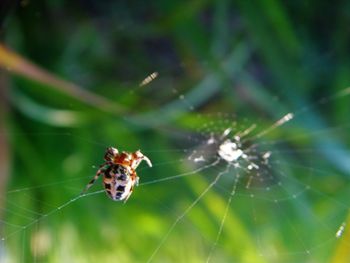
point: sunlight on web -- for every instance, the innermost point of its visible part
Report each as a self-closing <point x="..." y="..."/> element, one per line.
<point x="340" y="230"/>
<point x="229" y="151"/>
<point x="244" y="175"/>
<point x="238" y="158"/>
<point x="148" y="79"/>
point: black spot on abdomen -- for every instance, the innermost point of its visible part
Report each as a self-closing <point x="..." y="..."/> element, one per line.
<point x="108" y="175"/>
<point x="122" y="177"/>
<point x="121" y="188"/>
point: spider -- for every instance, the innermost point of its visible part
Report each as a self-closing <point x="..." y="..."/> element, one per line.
<point x="119" y="173"/>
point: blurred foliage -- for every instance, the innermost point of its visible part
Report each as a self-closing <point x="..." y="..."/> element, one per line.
<point x="74" y="69"/>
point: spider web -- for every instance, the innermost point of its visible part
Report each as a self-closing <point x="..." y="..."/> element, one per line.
<point x="246" y="192"/>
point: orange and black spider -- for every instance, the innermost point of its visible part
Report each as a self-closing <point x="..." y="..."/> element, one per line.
<point x="119" y="173"/>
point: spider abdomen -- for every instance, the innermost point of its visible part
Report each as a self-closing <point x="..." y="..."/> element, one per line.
<point x="118" y="182"/>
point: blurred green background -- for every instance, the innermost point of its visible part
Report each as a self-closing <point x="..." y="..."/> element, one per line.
<point x="70" y="75"/>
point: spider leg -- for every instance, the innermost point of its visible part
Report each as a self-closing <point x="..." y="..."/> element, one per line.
<point x="148" y="161"/>
<point x="136" y="182"/>
<point x="92" y="181"/>
<point x="110" y="154"/>
<point x="137" y="158"/>
<point x="127" y="197"/>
